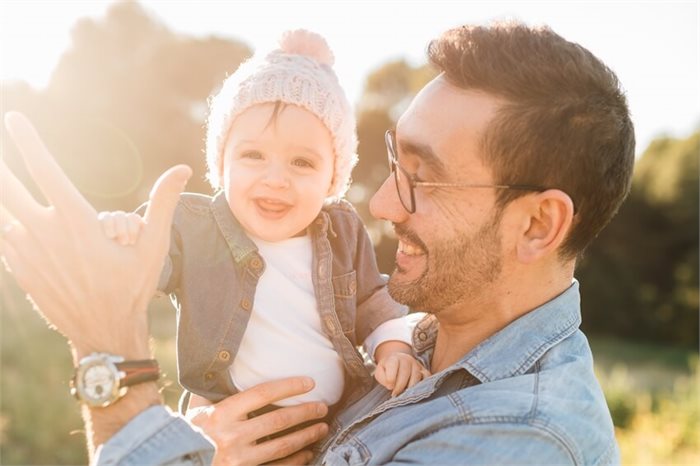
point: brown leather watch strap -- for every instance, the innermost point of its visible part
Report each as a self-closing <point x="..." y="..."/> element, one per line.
<point x="145" y="370"/>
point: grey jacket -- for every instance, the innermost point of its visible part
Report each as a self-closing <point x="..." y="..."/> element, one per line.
<point x="212" y="271"/>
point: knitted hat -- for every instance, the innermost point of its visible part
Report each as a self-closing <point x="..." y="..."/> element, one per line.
<point x="299" y="72"/>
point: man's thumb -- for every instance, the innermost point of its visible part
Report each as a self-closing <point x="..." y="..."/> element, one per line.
<point x="163" y="199"/>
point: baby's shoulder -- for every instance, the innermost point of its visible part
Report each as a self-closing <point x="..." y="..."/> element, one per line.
<point x="341" y="210"/>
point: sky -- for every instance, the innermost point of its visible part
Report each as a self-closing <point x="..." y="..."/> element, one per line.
<point x="653" y="46"/>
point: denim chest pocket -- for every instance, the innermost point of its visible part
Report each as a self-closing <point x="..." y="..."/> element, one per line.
<point x="345" y="294"/>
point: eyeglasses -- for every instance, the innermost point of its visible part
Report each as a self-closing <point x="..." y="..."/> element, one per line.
<point x="406" y="185"/>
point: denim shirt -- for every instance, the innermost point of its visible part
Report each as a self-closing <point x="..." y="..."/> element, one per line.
<point x="212" y="271"/>
<point x="526" y="395"/>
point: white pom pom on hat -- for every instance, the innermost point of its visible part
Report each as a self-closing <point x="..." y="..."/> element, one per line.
<point x="299" y="72"/>
<point x="308" y="44"/>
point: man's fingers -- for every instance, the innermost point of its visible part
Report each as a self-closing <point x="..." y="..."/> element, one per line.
<point x="265" y="394"/>
<point x="282" y="447"/>
<point x="41" y="165"/>
<point x="16" y="199"/>
<point x="285" y="418"/>
<point x="162" y="201"/>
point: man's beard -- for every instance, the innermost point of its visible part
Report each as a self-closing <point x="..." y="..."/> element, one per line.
<point x="457" y="269"/>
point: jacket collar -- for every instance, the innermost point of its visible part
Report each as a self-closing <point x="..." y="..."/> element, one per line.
<point x="234" y="234"/>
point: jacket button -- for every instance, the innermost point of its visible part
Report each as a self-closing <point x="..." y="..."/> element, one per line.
<point x="330" y="325"/>
<point x="319" y="221"/>
<point x="256" y="263"/>
<point x="352" y="287"/>
<point x="224" y="355"/>
<point x="246" y="304"/>
<point x="422" y="336"/>
<point x="209" y="376"/>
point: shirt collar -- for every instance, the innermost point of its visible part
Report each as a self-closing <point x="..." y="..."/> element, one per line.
<point x="514" y="349"/>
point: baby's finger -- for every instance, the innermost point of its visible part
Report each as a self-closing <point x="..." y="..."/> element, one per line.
<point x="416" y="374"/>
<point x="380" y="376"/>
<point x="391" y="366"/>
<point x="133" y="226"/>
<point x="107" y="221"/>
<point x="403" y="374"/>
<point x="120" y="227"/>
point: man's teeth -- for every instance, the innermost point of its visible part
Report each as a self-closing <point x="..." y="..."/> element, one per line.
<point x="409" y="250"/>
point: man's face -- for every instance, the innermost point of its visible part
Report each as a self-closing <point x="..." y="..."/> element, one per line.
<point x="450" y="249"/>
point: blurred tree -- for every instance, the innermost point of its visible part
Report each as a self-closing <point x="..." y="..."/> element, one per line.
<point x="639" y="279"/>
<point x="127" y="100"/>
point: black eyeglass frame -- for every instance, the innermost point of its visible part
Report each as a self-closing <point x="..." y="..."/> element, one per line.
<point x="389" y="140"/>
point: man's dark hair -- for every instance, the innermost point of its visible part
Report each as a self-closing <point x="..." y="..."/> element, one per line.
<point x="564" y="122"/>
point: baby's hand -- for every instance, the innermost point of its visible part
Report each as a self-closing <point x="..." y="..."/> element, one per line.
<point x="120" y="226"/>
<point x="399" y="371"/>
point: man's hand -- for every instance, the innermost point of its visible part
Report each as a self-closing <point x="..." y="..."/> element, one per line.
<point x="227" y="424"/>
<point x="88" y="287"/>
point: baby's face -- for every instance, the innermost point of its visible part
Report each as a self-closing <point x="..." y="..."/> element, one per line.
<point x="277" y="172"/>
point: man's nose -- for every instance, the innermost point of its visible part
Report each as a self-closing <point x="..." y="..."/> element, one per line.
<point x="386" y="205"/>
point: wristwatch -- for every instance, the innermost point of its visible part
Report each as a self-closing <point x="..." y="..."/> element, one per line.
<point x="102" y="378"/>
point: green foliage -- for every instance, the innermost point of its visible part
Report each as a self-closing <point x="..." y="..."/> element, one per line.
<point x="639" y="279"/>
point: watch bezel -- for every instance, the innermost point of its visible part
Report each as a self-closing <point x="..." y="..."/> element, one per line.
<point x="91" y="361"/>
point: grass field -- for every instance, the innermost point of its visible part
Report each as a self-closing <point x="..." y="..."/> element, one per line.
<point x="652" y="392"/>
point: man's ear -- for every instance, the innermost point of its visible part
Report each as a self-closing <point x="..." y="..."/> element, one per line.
<point x="547" y="220"/>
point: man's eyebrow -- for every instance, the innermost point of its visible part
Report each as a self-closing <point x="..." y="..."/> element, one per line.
<point x="426" y="154"/>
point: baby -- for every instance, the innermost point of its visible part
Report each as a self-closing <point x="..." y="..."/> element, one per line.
<point x="275" y="275"/>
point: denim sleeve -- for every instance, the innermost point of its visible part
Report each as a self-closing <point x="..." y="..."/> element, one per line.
<point x="487" y="444"/>
<point x="374" y="305"/>
<point x="156" y="437"/>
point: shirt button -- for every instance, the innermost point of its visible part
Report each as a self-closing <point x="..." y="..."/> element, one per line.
<point x="246" y="304"/>
<point x="224" y="355"/>
<point x="209" y="376"/>
<point x="256" y="263"/>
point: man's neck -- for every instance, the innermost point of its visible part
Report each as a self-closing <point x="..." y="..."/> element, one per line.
<point x="465" y="325"/>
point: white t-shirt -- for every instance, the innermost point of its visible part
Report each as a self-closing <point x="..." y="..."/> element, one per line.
<point x="285" y="337"/>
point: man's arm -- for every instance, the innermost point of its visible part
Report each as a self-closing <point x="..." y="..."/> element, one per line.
<point x="45" y="249"/>
<point x="58" y="255"/>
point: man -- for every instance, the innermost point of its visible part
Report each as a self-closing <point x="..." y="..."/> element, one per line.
<point x="504" y="167"/>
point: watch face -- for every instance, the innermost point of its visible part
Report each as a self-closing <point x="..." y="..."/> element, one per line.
<point x="98" y="382"/>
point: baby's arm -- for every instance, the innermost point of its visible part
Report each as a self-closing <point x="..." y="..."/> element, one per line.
<point x="120" y="226"/>
<point x="397" y="369"/>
